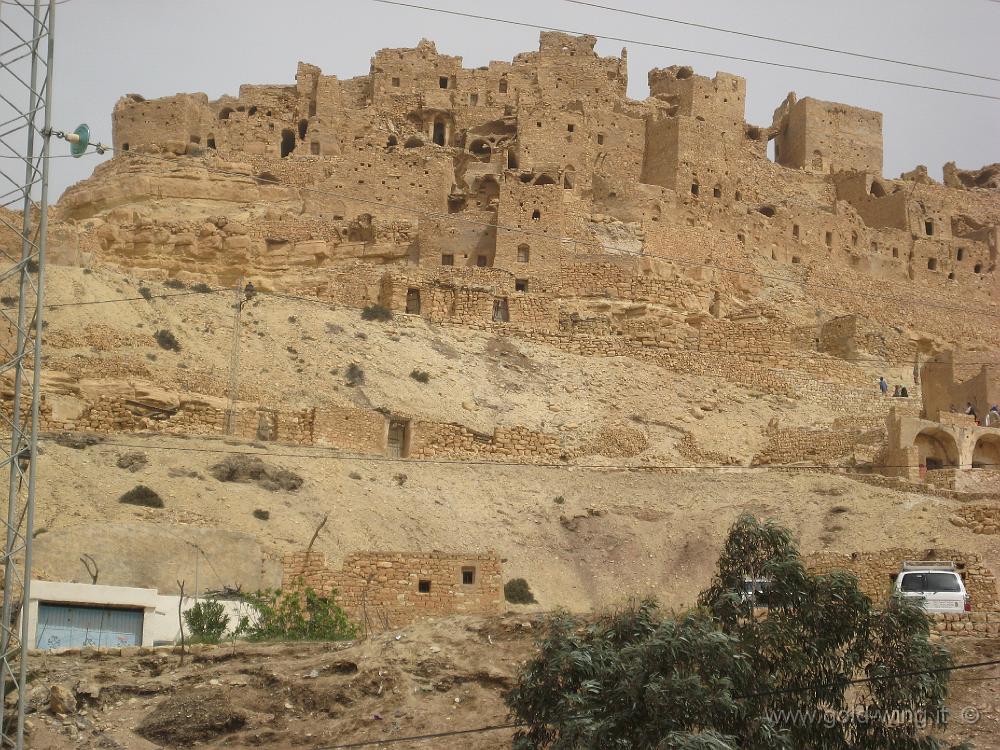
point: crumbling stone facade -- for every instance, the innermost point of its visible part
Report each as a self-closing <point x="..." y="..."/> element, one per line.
<point x="392" y="589"/>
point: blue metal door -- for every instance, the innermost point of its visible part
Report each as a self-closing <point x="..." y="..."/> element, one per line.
<point x="67" y="626"/>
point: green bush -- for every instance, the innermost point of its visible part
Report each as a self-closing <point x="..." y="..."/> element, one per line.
<point x="142" y="495"/>
<point x="167" y="340"/>
<point x="201" y="287"/>
<point x="207" y="621"/>
<point x="355" y="375"/>
<point x="517" y="591"/>
<point x="376" y="312"/>
<point x="174" y="284"/>
<point x="145" y="293"/>
<point x="261" y="514"/>
<point x="299" y="614"/>
<point x="420" y="376"/>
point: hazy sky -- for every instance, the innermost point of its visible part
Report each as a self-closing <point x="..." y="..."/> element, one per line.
<point x="107" y="48"/>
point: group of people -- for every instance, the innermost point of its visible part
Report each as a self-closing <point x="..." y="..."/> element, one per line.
<point x="992" y="418"/>
<point x="897" y="391"/>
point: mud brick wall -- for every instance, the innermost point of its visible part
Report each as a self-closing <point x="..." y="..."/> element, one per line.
<point x="389" y="584"/>
<point x="875" y="571"/>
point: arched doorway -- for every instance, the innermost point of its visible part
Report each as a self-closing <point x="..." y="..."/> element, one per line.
<point x="936" y="449"/>
<point x="986" y="454"/>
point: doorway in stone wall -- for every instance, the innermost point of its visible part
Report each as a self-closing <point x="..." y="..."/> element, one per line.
<point x="439" y="132"/>
<point x="397" y="442"/>
<point x="501" y="311"/>
<point x="412" y="301"/>
<point x="267" y="425"/>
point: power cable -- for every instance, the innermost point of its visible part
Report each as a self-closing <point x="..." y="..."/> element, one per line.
<point x="520" y="725"/>
<point x="331" y="454"/>
<point x="525" y="24"/>
<point x="779" y="40"/>
<point x="260" y="179"/>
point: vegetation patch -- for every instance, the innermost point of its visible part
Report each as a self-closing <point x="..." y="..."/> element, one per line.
<point x="262" y="515"/>
<point x="250" y="469"/>
<point x="132" y="461"/>
<point x="517" y="591"/>
<point x="420" y="376"/>
<point x="355" y="375"/>
<point x="145" y="293"/>
<point x="167" y="340"/>
<point x="174" y="284"/>
<point x="143" y="496"/>
<point x="380" y="313"/>
<point x="77" y="440"/>
<point x="207" y="621"/>
<point x="298" y="614"/>
<point x="201" y="287"/>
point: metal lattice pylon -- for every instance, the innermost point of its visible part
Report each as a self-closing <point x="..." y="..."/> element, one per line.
<point x="26" y="49"/>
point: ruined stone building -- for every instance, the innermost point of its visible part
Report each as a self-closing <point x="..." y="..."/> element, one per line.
<point x="534" y="197"/>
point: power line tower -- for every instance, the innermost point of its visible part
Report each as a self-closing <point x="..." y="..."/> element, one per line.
<point x="26" y="53"/>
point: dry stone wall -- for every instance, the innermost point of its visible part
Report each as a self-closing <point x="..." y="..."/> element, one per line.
<point x="399" y="588"/>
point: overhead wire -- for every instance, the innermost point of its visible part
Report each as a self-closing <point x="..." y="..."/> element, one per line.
<point x="779" y="40"/>
<point x="707" y="53"/>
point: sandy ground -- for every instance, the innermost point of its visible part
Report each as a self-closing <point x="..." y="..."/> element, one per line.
<point x="447" y="675"/>
<point x="583" y="538"/>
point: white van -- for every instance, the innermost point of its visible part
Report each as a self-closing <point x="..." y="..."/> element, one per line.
<point x="935" y="583"/>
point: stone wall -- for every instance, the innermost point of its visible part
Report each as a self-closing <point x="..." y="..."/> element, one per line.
<point x="980" y="624"/>
<point x="980" y="519"/>
<point x="399" y="588"/>
<point x="877" y="570"/>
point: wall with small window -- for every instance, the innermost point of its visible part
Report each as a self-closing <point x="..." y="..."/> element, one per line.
<point x="399" y="588"/>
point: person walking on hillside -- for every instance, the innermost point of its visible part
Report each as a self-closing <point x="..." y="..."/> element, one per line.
<point x="883" y="386"/>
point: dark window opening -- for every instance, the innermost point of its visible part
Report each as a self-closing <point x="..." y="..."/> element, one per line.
<point x="303" y="127"/>
<point x="536" y="215"/>
<point x="225" y="112"/>
<point x="854" y="239"/>
<point x="314" y="148"/>
<point x="393" y="141"/>
<point x="439" y="133"/>
<point x="503" y="85"/>
<point x="520" y="285"/>
<point x="195" y="139"/>
<point x="287" y="142"/>
<point x="600" y="139"/>
<point x="473" y="100"/>
<point x="829" y="239"/>
<point x="511" y="160"/>
<point x="210" y="141"/>
<point x="501" y="311"/>
<point x="932" y="264"/>
<point x="395" y="83"/>
<point x="694" y="188"/>
<point x="424" y="587"/>
<point x="978" y="268"/>
<point x="716" y="192"/>
<point x="741" y="237"/>
<point x="895" y="252"/>
<point x="539" y="123"/>
<point x="738" y="196"/>
<point x="929" y="227"/>
<point x="523" y="253"/>
<point x="951" y="275"/>
<point x="796" y="259"/>
<point x="252" y="111"/>
<point x="571" y="127"/>
<point x="481" y="261"/>
<point x="795" y="231"/>
<point x="447" y="259"/>
<point x="960" y="255"/>
<point x="412" y="301"/>
<point x="443" y="82"/>
<point x="397" y="441"/>
<point x="468" y="576"/>
<point x="568" y="180"/>
<point x="124" y="147"/>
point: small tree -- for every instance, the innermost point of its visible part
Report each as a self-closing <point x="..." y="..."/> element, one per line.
<point x="722" y="677"/>
<point x="207" y="620"/>
<point x="299" y="614"/>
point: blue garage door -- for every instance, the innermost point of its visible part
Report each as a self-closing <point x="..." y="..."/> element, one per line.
<point x="67" y="626"/>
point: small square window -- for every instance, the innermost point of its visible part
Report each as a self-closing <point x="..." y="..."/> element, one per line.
<point x="717" y="192"/>
<point x="520" y="285"/>
<point x="539" y="123"/>
<point x="473" y="100"/>
<point x="447" y="260"/>
<point x="796" y="259"/>
<point x="443" y="82"/>
<point x="468" y="576"/>
<point x="395" y="83"/>
<point x="694" y="188"/>
<point x="481" y="261"/>
<point x="895" y="252"/>
<point x="929" y="227"/>
<point x="571" y="127"/>
<point x="600" y="139"/>
<point x="424" y="586"/>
